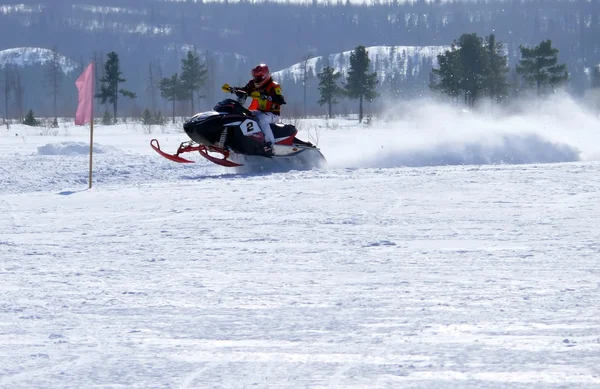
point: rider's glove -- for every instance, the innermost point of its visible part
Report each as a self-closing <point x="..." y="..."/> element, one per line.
<point x="226" y="88"/>
<point x="260" y="96"/>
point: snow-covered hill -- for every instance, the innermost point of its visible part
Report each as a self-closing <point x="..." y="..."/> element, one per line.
<point x="384" y="59"/>
<point x="27" y="56"/>
<point x="180" y="50"/>
<point x="19" y="8"/>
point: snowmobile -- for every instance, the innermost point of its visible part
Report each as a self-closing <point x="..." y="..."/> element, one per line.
<point x="230" y="136"/>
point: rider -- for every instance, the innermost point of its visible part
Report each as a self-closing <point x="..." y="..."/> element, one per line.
<point x="266" y="101"/>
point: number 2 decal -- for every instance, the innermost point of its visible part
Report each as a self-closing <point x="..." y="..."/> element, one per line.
<point x="249" y="127"/>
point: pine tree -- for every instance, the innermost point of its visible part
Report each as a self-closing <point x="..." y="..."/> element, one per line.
<point x="329" y="90"/>
<point x="360" y="84"/>
<point x="30" y="119"/>
<point x="147" y="118"/>
<point x="171" y="89"/>
<point x="53" y="78"/>
<point x="497" y="69"/>
<point x="539" y="66"/>
<point x="472" y="66"/>
<point x="449" y="73"/>
<point x="193" y="77"/>
<point x="109" y="89"/>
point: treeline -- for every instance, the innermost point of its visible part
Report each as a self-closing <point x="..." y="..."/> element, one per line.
<point x="15" y="85"/>
<point x="183" y="90"/>
<point x="187" y="86"/>
<point x="475" y="68"/>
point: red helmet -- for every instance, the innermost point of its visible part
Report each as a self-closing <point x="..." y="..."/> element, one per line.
<point x="261" y="75"/>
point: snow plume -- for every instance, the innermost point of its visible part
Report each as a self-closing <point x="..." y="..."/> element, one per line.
<point x="424" y="133"/>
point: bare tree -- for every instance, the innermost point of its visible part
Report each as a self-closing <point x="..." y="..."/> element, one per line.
<point x="596" y="85"/>
<point x="210" y="75"/>
<point x="98" y="75"/>
<point x="152" y="86"/>
<point x="304" y="68"/>
<point x="159" y="75"/>
<point x="53" y="79"/>
<point x="7" y="88"/>
<point x="19" y="91"/>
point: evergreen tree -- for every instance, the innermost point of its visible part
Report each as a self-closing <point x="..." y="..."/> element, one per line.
<point x="193" y="77"/>
<point x="329" y="90"/>
<point x="360" y="84"/>
<point x="497" y="68"/>
<point x="449" y="73"/>
<point x="539" y="66"/>
<point x="171" y="89"/>
<point x="30" y="119"/>
<point x="109" y="89"/>
<point x="147" y="118"/>
<point x="472" y="66"/>
<point x="53" y="78"/>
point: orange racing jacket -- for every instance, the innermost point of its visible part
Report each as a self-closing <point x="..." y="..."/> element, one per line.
<point x="274" y="99"/>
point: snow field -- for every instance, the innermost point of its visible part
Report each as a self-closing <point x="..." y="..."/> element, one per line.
<point x="369" y="273"/>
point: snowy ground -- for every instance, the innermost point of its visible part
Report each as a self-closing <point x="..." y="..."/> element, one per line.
<point x="423" y="262"/>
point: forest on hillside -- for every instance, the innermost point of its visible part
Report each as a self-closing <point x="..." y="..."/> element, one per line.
<point x="145" y="33"/>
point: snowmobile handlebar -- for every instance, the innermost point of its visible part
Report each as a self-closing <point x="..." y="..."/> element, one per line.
<point x="241" y="95"/>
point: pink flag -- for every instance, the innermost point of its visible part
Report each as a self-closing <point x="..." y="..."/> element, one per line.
<point x="85" y="106"/>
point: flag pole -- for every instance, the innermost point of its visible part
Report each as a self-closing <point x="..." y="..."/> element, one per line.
<point x="92" y="123"/>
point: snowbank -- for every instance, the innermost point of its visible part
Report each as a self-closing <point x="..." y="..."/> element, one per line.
<point x="72" y="148"/>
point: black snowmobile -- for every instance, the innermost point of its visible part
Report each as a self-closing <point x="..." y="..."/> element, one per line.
<point x="232" y="132"/>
